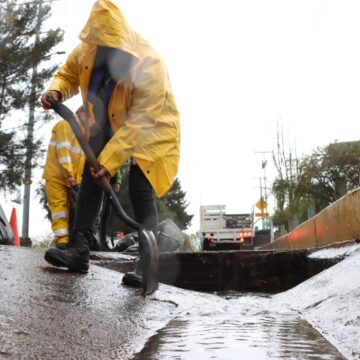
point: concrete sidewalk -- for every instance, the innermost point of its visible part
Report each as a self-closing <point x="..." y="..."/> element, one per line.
<point x="50" y="313"/>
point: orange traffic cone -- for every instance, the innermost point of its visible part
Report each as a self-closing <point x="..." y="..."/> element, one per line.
<point x="14" y="227"/>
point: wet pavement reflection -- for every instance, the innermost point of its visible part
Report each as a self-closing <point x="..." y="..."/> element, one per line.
<point x="240" y="330"/>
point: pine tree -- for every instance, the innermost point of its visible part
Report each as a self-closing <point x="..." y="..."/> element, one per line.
<point x="23" y="48"/>
<point x="175" y="203"/>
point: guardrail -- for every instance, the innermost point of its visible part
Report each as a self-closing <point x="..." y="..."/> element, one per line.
<point x="337" y="223"/>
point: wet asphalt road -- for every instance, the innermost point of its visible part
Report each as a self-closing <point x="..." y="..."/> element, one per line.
<point x="49" y="313"/>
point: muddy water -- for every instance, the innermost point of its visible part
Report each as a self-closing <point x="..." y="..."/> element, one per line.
<point x="239" y="330"/>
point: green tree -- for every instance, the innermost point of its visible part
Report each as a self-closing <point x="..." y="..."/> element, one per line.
<point x="11" y="161"/>
<point x="283" y="188"/>
<point x="329" y="173"/>
<point x="174" y="205"/>
<point x="322" y="178"/>
<point x="23" y="47"/>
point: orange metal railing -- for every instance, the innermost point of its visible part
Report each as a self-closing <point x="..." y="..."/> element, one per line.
<point x="338" y="222"/>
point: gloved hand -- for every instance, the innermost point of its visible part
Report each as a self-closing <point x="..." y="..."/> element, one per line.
<point x="50" y="93"/>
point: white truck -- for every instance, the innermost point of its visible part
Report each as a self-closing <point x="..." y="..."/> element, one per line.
<point x="221" y="231"/>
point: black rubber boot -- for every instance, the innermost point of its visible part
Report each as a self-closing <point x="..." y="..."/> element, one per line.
<point x="133" y="278"/>
<point x="75" y="258"/>
<point x="62" y="246"/>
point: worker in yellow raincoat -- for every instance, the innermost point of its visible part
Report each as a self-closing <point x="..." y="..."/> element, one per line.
<point x="131" y="113"/>
<point x="63" y="170"/>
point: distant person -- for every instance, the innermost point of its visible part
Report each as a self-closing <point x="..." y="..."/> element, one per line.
<point x="131" y="113"/>
<point x="63" y="170"/>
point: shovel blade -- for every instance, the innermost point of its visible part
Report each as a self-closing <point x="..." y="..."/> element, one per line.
<point x="149" y="260"/>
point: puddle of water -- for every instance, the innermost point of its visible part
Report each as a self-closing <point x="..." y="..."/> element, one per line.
<point x="233" y="334"/>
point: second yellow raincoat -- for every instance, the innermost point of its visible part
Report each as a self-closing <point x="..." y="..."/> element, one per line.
<point x="142" y="110"/>
<point x="64" y="159"/>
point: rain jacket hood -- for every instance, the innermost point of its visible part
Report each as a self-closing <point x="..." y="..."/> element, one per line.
<point x="107" y="26"/>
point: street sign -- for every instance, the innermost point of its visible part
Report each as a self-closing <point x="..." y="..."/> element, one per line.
<point x="262" y="214"/>
<point x="261" y="204"/>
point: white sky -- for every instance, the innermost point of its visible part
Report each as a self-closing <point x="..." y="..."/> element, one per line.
<point x="237" y="68"/>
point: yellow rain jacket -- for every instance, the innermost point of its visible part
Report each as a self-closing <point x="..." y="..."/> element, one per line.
<point x="64" y="156"/>
<point x="64" y="159"/>
<point x="142" y="110"/>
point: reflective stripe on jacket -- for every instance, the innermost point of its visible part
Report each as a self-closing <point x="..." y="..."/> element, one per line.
<point x="64" y="156"/>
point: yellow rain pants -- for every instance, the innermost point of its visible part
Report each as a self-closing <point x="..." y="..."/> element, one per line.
<point x="57" y="194"/>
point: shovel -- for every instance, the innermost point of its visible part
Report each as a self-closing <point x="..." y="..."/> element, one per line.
<point x="149" y="256"/>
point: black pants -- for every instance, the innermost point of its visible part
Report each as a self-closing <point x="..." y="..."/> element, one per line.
<point x="142" y="198"/>
<point x="91" y="196"/>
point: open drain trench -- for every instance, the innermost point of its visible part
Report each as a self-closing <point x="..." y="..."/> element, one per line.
<point x="239" y="327"/>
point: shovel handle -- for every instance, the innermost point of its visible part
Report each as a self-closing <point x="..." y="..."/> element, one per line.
<point x="103" y="182"/>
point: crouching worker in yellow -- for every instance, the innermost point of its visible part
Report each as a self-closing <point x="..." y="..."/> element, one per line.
<point x="63" y="169"/>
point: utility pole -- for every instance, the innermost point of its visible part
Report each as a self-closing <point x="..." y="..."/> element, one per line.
<point x="263" y="166"/>
<point x="263" y="194"/>
<point x="25" y="240"/>
<point x="261" y="199"/>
